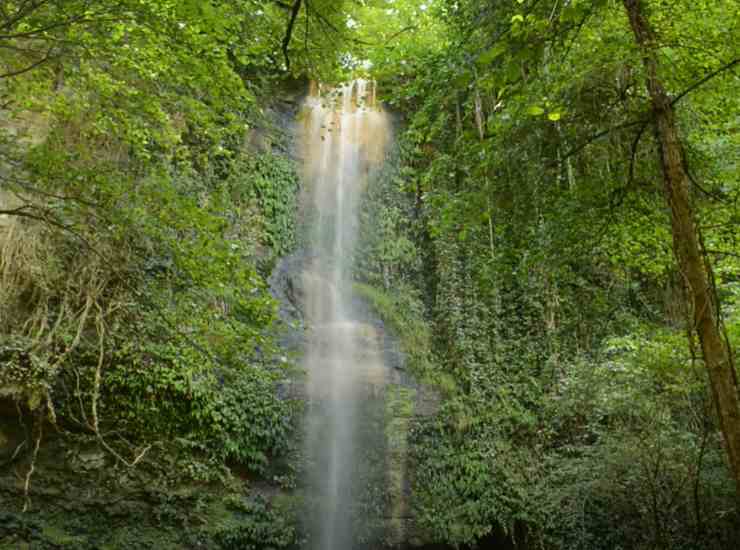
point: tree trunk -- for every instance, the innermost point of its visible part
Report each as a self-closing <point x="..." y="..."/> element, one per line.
<point x="687" y="245"/>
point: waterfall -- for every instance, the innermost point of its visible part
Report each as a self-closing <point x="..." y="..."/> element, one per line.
<point x="344" y="137"/>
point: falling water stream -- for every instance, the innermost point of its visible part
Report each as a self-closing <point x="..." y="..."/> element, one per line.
<point x="344" y="137"/>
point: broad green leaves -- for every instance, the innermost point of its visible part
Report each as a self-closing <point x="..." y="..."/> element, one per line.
<point x="493" y="53"/>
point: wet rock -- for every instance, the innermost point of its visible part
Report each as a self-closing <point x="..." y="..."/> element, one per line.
<point x="395" y="358"/>
<point x="286" y="287"/>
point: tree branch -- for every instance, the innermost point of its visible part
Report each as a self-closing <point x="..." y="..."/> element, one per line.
<point x="30" y="67"/>
<point x="42" y="215"/>
<point x="704" y="80"/>
<point x="332" y="27"/>
<point x="578" y="148"/>
<point x="289" y="31"/>
<point x="24" y="10"/>
<point x="42" y="30"/>
<point x="633" y="152"/>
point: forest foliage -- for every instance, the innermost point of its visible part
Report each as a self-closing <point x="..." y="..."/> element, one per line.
<point x="518" y="241"/>
<point x="528" y="178"/>
<point x="139" y="222"/>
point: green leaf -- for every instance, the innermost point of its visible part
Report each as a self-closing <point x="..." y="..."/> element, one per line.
<point x="462" y="79"/>
<point x="492" y="54"/>
<point x="518" y="17"/>
<point x="554" y="116"/>
<point x="535" y="110"/>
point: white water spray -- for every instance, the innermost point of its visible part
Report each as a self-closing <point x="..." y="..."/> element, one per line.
<point x="344" y="136"/>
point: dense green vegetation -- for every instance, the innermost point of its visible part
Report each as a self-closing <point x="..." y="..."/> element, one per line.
<point x="525" y="241"/>
<point x="529" y="181"/>
<point x="144" y="201"/>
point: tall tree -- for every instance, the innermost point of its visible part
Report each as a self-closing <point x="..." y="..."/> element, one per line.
<point x="687" y="242"/>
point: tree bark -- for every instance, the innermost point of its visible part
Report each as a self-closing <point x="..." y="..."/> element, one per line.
<point x="687" y="244"/>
